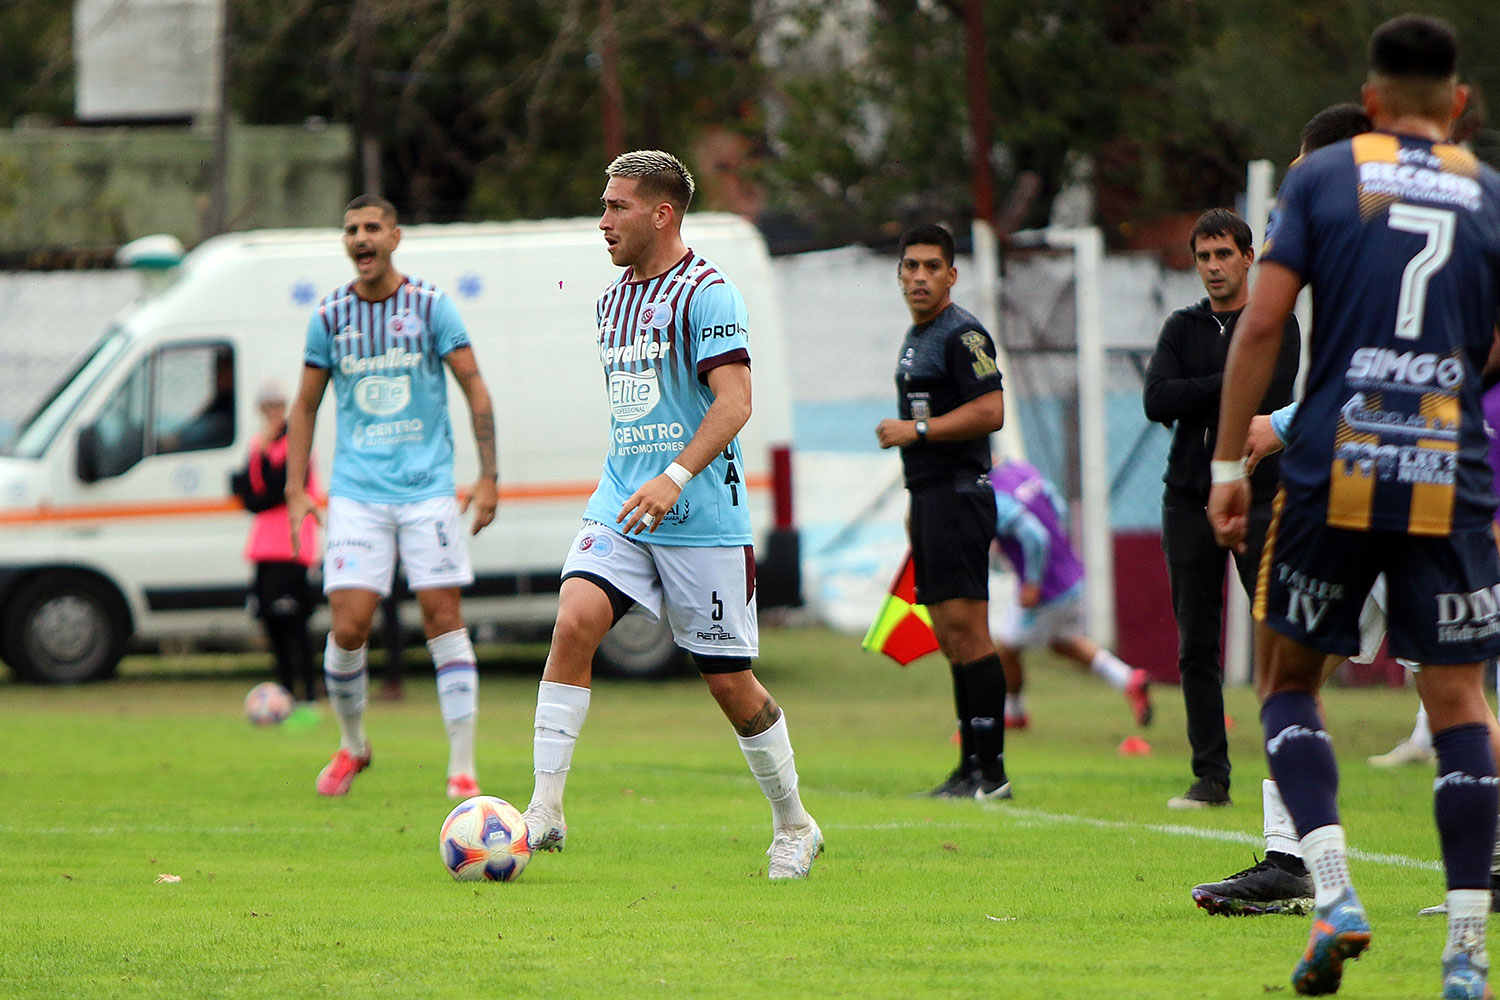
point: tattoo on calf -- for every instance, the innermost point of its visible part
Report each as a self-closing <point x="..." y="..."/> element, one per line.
<point x="762" y="720"/>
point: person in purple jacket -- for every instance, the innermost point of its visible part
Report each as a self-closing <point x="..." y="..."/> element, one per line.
<point x="1048" y="609"/>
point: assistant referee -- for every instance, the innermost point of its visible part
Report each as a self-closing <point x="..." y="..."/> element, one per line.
<point x="948" y="395"/>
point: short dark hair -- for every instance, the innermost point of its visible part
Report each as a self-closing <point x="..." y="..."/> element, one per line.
<point x="373" y="201"/>
<point x="658" y="173"/>
<point x="1220" y="222"/>
<point x="1333" y="124"/>
<point x="929" y="234"/>
<point x="1414" y="46"/>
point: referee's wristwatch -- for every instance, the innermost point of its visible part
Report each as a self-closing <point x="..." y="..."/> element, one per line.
<point x="921" y="427"/>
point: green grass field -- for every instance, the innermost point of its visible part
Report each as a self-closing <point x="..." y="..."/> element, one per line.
<point x="1077" y="888"/>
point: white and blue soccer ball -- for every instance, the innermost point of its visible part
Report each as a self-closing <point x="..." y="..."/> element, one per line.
<point x="268" y="704"/>
<point x="484" y="840"/>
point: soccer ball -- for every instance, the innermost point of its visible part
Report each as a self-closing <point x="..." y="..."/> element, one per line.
<point x="268" y="704"/>
<point x="484" y="839"/>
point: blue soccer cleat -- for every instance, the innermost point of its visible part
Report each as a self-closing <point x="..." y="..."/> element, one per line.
<point x="1339" y="931"/>
<point x="1464" y="978"/>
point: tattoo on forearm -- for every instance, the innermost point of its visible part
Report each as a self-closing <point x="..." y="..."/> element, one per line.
<point x="484" y="440"/>
<point x="762" y="720"/>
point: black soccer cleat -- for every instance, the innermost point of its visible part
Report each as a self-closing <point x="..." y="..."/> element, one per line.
<point x="960" y="784"/>
<point x="1278" y="884"/>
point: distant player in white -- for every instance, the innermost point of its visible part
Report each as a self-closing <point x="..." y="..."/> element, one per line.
<point x="383" y="340"/>
<point x="668" y="528"/>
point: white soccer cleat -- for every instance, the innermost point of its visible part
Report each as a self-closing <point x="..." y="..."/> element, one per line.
<point x="792" y="852"/>
<point x="1405" y="752"/>
<point x="545" y="829"/>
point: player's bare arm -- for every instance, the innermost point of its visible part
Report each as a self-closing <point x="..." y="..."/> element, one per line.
<point x="1252" y="360"/>
<point x="726" y="415"/>
<point x="301" y="417"/>
<point x="1260" y="441"/>
<point x="484" y="495"/>
<point x="979" y="416"/>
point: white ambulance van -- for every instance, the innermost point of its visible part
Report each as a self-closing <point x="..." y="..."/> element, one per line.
<point x="117" y="525"/>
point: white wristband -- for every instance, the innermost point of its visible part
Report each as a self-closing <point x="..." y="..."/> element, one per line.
<point x="678" y="475"/>
<point x="1226" y="471"/>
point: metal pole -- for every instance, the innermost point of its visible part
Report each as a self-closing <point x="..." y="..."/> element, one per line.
<point x="609" y="82"/>
<point x="977" y="81"/>
<point x="218" y="213"/>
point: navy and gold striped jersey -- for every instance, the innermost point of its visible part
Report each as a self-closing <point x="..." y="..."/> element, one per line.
<point x="1399" y="238"/>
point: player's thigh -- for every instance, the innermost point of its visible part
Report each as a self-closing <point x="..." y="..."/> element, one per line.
<point x="952" y="527"/>
<point x="434" y="548"/>
<point x="359" y="551"/>
<point x="709" y="596"/>
<point x="1443" y="598"/>
<point x="1314" y="579"/>
<point x="608" y="558"/>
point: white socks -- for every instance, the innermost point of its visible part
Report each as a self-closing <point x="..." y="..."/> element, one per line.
<point x="1281" y="834"/>
<point x="344" y="672"/>
<point x="458" y="695"/>
<point x="1113" y="669"/>
<point x="1324" y="853"/>
<point x="560" y="711"/>
<point x="1468" y="912"/>
<point x="1421" y="732"/>
<point x="769" y="755"/>
<point x="1015" y="705"/>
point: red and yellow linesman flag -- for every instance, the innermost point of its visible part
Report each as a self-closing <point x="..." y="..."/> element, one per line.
<point x="903" y="628"/>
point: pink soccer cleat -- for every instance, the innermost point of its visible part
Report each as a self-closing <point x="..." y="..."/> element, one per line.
<point x="339" y="773"/>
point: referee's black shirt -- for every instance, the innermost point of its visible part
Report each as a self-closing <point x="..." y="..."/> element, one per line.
<point x="944" y="364"/>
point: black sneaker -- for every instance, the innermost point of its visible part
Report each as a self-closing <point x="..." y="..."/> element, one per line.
<point x="1202" y="794"/>
<point x="991" y="789"/>
<point x="958" y="785"/>
<point x="1279" y="884"/>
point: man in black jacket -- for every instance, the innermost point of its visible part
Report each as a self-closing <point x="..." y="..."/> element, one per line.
<point x="1183" y="382"/>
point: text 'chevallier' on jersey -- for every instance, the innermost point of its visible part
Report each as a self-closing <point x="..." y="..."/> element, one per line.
<point x="944" y="363"/>
<point x="1392" y="393"/>
<point x="385" y="362"/>
<point x="658" y="340"/>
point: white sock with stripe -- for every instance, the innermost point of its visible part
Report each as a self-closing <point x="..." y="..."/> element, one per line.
<point x="347" y="680"/>
<point x="1113" y="669"/>
<point x="458" y="696"/>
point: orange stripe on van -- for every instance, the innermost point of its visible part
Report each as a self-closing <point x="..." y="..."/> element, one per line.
<point x="47" y="513"/>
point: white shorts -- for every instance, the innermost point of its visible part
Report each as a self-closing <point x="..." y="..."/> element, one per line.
<point x="363" y="539"/>
<point x="707" y="592"/>
<point x="1024" y="628"/>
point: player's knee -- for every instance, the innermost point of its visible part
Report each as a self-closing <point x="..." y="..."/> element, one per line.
<point x="350" y="634"/>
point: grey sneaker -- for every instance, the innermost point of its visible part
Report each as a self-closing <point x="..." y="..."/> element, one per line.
<point x="1278" y="884"/>
<point x="1405" y="752"/>
<point x="1201" y="794"/>
<point x="792" y="852"/>
<point x="545" y="829"/>
<point x="1441" y="910"/>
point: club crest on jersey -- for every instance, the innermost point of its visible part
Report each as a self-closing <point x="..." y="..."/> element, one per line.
<point x="632" y="395"/>
<point x="656" y="315"/>
<point x="382" y="395"/>
<point x="404" y="324"/>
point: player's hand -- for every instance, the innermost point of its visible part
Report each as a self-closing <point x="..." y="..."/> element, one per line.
<point x="484" y="497"/>
<point x="1031" y="595"/>
<point x="646" y="505"/>
<point x="1229" y="513"/>
<point x="1260" y="441"/>
<point x="893" y="433"/>
<point x="300" y="506"/>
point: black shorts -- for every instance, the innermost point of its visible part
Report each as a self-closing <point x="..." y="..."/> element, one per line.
<point x="1442" y="593"/>
<point x="281" y="589"/>
<point x="952" y="526"/>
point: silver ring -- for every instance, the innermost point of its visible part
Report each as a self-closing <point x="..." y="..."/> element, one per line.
<point x="647" y="520"/>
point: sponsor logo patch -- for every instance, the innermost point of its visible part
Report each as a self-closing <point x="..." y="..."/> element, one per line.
<point x="404" y="324"/>
<point x="598" y="545"/>
<point x="632" y="395"/>
<point x="382" y="395"/>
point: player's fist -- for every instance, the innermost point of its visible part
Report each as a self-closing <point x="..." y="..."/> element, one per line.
<point x="484" y="497"/>
<point x="1260" y="441"/>
<point x="893" y="433"/>
<point x="1229" y="513"/>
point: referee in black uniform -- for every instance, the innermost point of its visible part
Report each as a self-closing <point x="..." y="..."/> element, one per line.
<point x="948" y="395"/>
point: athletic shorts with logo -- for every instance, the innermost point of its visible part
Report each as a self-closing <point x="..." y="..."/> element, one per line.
<point x="364" y="538"/>
<point x="1442" y="600"/>
<point x="707" y="593"/>
<point x="952" y="526"/>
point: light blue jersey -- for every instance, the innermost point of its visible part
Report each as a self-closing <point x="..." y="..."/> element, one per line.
<point x="385" y="361"/>
<point x="658" y="340"/>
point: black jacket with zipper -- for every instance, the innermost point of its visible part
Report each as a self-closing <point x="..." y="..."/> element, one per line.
<point x="1183" y="382"/>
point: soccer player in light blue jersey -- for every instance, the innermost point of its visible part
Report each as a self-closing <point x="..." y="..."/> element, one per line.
<point x="668" y="527"/>
<point x="1397" y="231"/>
<point x="382" y="341"/>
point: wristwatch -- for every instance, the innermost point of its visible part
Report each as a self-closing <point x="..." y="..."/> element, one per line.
<point x="921" y="426"/>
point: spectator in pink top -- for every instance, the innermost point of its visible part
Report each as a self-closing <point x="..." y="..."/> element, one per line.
<point x="280" y="595"/>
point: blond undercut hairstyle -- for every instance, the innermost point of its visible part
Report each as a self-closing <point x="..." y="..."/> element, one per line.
<point x="661" y="175"/>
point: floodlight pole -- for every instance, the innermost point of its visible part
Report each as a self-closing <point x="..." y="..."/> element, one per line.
<point x="1093" y="527"/>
